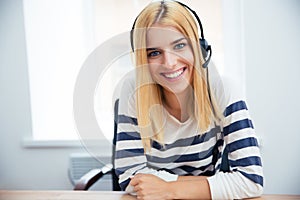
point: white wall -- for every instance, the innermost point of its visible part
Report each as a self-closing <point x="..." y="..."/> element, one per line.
<point x="271" y="46"/>
<point x="272" y="49"/>
<point x="22" y="168"/>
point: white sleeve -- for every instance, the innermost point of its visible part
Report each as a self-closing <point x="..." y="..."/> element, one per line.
<point x="245" y="178"/>
<point x="232" y="186"/>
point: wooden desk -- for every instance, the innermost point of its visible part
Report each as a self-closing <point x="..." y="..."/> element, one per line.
<point x="63" y="195"/>
<point x="95" y="195"/>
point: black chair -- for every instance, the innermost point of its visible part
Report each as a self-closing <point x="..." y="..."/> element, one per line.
<point x="94" y="175"/>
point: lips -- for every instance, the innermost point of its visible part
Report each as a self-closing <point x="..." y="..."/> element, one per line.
<point x="175" y="74"/>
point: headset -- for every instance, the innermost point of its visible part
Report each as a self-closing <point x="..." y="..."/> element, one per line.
<point x="205" y="47"/>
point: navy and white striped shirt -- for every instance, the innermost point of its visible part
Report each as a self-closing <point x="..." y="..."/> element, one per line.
<point x="186" y="152"/>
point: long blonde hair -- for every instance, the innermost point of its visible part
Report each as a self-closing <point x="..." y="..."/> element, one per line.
<point x="150" y="121"/>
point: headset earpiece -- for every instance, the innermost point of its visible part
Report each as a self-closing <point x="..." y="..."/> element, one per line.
<point x="206" y="51"/>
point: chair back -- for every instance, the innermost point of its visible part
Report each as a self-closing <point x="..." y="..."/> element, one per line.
<point x="115" y="179"/>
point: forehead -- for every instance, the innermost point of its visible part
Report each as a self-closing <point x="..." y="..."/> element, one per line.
<point x="158" y="35"/>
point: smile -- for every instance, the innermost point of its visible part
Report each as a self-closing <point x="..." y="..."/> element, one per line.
<point x="175" y="74"/>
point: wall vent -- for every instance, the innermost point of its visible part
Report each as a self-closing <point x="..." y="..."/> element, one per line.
<point x="81" y="163"/>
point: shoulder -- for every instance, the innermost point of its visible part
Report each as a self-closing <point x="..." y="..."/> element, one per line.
<point x="225" y="89"/>
<point x="125" y="86"/>
<point x="125" y="92"/>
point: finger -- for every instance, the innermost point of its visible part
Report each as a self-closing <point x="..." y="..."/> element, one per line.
<point x="137" y="189"/>
<point x="136" y="179"/>
<point x="140" y="175"/>
<point x="133" y="182"/>
<point x="141" y="195"/>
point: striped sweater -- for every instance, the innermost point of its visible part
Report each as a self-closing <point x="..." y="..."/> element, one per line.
<point x="187" y="152"/>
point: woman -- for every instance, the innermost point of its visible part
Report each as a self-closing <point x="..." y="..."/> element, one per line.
<point x="172" y="131"/>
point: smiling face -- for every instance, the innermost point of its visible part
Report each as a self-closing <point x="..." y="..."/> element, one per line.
<point x="170" y="58"/>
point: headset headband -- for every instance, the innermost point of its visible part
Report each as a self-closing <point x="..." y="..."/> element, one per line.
<point x="196" y="16"/>
<point x="206" y="49"/>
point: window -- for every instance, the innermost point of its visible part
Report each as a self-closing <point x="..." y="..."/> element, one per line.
<point x="61" y="34"/>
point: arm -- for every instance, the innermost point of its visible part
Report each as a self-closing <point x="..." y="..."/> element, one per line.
<point x="191" y="178"/>
<point x="130" y="158"/>
<point x="197" y="188"/>
<point x="186" y="187"/>
<point x="246" y="176"/>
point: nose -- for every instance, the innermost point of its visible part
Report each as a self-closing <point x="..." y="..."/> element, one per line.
<point x="170" y="59"/>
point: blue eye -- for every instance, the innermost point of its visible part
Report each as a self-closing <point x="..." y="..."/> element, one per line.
<point x="153" y="53"/>
<point x="180" y="46"/>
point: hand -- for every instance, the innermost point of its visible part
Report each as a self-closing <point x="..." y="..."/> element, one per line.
<point x="148" y="186"/>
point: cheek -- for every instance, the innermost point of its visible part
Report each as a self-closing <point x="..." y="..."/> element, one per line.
<point x="191" y="73"/>
<point x="154" y="63"/>
<point x="189" y="57"/>
<point x="153" y="69"/>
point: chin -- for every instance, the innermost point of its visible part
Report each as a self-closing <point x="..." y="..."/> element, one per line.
<point x="178" y="89"/>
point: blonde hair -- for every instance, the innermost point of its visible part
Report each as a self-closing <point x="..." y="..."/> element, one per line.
<point x="150" y="121"/>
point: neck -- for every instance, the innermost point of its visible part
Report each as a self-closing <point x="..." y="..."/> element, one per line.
<point x="178" y="104"/>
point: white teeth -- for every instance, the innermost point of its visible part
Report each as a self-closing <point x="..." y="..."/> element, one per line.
<point x="174" y="75"/>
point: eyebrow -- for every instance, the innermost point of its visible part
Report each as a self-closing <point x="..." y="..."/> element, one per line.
<point x="174" y="42"/>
